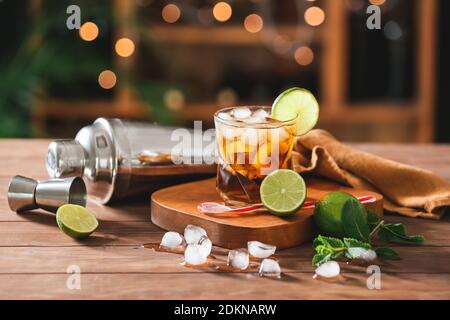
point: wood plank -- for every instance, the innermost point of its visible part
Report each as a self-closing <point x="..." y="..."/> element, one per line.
<point x="39" y="229"/>
<point x="233" y="286"/>
<point x="32" y="153"/>
<point x="102" y="259"/>
<point x="138" y="210"/>
<point x="42" y="230"/>
<point x="45" y="232"/>
<point x="433" y="157"/>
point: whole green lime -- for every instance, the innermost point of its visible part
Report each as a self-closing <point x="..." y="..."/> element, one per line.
<point x="328" y="213"/>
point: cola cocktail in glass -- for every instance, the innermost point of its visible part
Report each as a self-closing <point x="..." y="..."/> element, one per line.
<point x="250" y="145"/>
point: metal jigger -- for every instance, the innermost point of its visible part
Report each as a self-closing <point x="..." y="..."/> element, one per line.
<point x="28" y="194"/>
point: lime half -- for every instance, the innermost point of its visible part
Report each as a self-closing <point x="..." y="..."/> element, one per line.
<point x="76" y="221"/>
<point x="297" y="102"/>
<point x="283" y="192"/>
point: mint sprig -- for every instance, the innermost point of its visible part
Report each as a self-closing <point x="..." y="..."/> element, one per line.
<point x="329" y="248"/>
<point x="360" y="226"/>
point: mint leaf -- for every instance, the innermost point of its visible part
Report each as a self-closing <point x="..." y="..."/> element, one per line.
<point x="387" y="254"/>
<point x="327" y="248"/>
<point x="396" y="232"/>
<point x="328" y="241"/>
<point x="354" y="220"/>
<point x="321" y="249"/>
<point x="353" y="243"/>
<point x="320" y="258"/>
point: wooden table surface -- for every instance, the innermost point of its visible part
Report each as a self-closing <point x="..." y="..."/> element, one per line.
<point x="35" y="254"/>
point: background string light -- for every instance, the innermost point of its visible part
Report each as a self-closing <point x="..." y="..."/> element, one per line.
<point x="174" y="99"/>
<point x="304" y="56"/>
<point x="278" y="42"/>
<point x="124" y="47"/>
<point x="171" y="13"/>
<point x="253" y="23"/>
<point x="314" y="16"/>
<point x="261" y="22"/>
<point x="222" y="11"/>
<point x="88" y="31"/>
<point x="107" y="79"/>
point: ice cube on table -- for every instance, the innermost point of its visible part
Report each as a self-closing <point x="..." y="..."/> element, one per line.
<point x="206" y="244"/>
<point x="260" y="250"/>
<point x="260" y="114"/>
<point x="241" y="113"/>
<point x="225" y="116"/>
<point x="270" y="267"/>
<point x="195" y="254"/>
<point x="238" y="259"/>
<point x="369" y="255"/>
<point x="172" y="240"/>
<point x="192" y="234"/>
<point x="329" y="269"/>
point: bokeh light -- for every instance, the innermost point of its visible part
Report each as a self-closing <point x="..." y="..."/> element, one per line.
<point x="253" y="23"/>
<point x="222" y="11"/>
<point x="107" y="79"/>
<point x="226" y="97"/>
<point x="124" y="47"/>
<point x="88" y="31"/>
<point x="304" y="56"/>
<point x="314" y="16"/>
<point x="392" y="30"/>
<point x="174" y="99"/>
<point x="171" y="13"/>
<point x="377" y="2"/>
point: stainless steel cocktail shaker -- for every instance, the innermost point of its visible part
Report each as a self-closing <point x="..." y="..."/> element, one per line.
<point x="117" y="158"/>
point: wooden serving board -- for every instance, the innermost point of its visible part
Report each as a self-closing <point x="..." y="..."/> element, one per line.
<point x="175" y="207"/>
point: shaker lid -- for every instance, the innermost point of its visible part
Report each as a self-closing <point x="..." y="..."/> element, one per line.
<point x="65" y="158"/>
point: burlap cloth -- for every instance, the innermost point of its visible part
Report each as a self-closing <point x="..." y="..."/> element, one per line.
<point x="407" y="190"/>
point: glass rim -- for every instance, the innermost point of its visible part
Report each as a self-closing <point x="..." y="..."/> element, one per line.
<point x="262" y="125"/>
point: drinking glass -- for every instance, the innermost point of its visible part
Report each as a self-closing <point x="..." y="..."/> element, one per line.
<point x="249" y="149"/>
